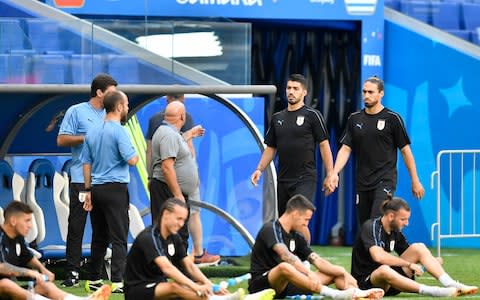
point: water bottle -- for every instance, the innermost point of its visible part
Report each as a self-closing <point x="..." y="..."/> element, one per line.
<point x="31" y="290"/>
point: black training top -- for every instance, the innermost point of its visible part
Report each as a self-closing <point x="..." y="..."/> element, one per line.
<point x="264" y="258"/>
<point x="14" y="251"/>
<point x="374" y="139"/>
<point x="295" y="135"/>
<point x="149" y="244"/>
<point x="373" y="234"/>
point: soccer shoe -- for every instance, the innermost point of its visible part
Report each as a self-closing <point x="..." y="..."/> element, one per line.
<point x="444" y="291"/>
<point x="344" y="295"/>
<point x="72" y="280"/>
<point x="103" y="293"/>
<point x="374" y="293"/>
<point x="93" y="285"/>
<point x="466" y="289"/>
<point x="206" y="259"/>
<point x="267" y="294"/>
<point x="238" y="295"/>
<point x="117" y="287"/>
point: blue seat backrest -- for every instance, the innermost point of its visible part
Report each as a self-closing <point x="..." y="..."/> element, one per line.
<point x="12" y="35"/>
<point x="85" y="66"/>
<point x="44" y="35"/>
<point x="49" y="68"/>
<point x="44" y="172"/>
<point x="66" y="167"/>
<point x="117" y="64"/>
<point x="87" y="234"/>
<point x="446" y="15"/>
<point x="471" y="13"/>
<point x="14" y="68"/>
<point x="6" y="176"/>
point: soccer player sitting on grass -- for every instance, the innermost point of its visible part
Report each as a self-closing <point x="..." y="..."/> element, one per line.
<point x="277" y="256"/>
<point x="157" y="252"/>
<point x="374" y="266"/>
<point x="16" y="260"/>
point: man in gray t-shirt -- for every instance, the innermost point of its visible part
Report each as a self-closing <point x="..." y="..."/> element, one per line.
<point x="175" y="172"/>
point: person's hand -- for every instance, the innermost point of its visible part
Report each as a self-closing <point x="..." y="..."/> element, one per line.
<point x="50" y="275"/>
<point x="87" y="204"/>
<point x="330" y="183"/>
<point x="326" y="186"/>
<point x="197" y="131"/>
<point x="416" y="269"/>
<point x="417" y="189"/>
<point x="203" y="290"/>
<point x="255" y="177"/>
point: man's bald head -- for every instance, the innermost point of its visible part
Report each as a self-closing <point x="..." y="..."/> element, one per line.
<point x="175" y="113"/>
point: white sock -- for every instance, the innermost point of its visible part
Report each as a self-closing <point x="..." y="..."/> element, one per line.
<point x="329" y="292"/>
<point x="435" y="291"/>
<point x="446" y="280"/>
<point x="40" y="297"/>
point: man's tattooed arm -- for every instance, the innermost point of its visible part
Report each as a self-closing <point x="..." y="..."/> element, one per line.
<point x="285" y="254"/>
<point x="11" y="270"/>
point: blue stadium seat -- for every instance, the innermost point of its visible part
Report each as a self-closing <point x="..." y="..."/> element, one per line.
<point x="44" y="186"/>
<point x="44" y="35"/>
<point x="123" y="68"/>
<point x="463" y="34"/>
<point x="471" y="15"/>
<point x="85" y="66"/>
<point x="446" y="15"/>
<point x="420" y="10"/>
<point x="475" y="36"/>
<point x="393" y="4"/>
<point x="49" y="68"/>
<point x="12" y="187"/>
<point x="65" y="197"/>
<point x="14" y="68"/>
<point x="12" y="36"/>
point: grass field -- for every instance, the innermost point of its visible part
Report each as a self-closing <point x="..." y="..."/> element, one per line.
<point x="461" y="264"/>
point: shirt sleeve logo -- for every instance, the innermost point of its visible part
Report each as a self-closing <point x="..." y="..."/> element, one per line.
<point x="300" y="120"/>
<point x="380" y="124"/>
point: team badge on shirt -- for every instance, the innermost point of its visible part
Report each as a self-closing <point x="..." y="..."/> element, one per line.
<point x="292" y="245"/>
<point x="300" y="120"/>
<point x="380" y="124"/>
<point x="392" y="245"/>
<point x="18" y="249"/>
<point x="171" y="249"/>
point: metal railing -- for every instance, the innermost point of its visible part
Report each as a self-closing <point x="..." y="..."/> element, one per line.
<point x="456" y="195"/>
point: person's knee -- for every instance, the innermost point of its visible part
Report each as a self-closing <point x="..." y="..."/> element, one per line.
<point x="420" y="248"/>
<point x="385" y="272"/>
<point x="7" y="285"/>
<point x="285" y="269"/>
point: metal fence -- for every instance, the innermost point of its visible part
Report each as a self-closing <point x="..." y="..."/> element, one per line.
<point x="456" y="195"/>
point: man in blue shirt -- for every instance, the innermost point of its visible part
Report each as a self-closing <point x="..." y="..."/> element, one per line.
<point x="106" y="158"/>
<point x="78" y="119"/>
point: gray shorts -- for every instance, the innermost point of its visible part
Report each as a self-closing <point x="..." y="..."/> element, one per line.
<point x="195" y="196"/>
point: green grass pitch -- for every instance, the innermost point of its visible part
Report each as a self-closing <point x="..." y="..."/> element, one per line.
<point x="461" y="264"/>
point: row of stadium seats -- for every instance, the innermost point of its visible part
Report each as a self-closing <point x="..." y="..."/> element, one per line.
<point x="47" y="193"/>
<point x="26" y="66"/>
<point x="459" y="18"/>
<point x="32" y="34"/>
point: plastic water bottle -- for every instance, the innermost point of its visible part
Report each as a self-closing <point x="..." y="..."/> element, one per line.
<point x="31" y="290"/>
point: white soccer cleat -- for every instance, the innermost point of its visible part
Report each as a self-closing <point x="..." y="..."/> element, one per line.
<point x="374" y="293"/>
<point x="466" y="289"/>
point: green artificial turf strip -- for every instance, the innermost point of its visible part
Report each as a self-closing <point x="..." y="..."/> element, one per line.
<point x="461" y="264"/>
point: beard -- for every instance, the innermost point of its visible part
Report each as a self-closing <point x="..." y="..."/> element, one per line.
<point x="124" y="119"/>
